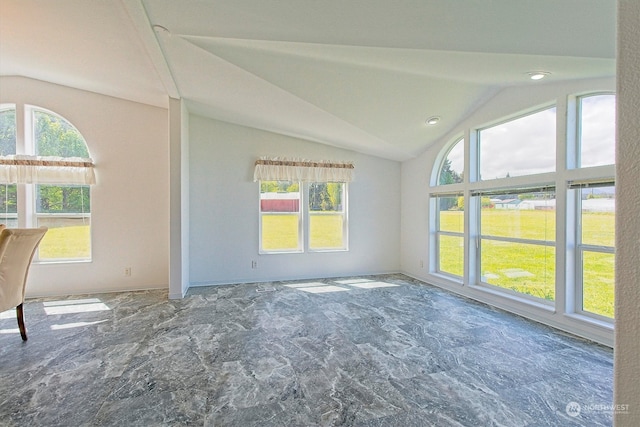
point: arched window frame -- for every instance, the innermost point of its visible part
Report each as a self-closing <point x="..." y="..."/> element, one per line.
<point x="568" y="281"/>
<point x="451" y="229"/>
<point x="27" y="172"/>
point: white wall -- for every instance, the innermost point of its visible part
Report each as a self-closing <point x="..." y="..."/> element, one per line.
<point x="224" y="209"/>
<point x="416" y="175"/>
<point x="179" y="199"/>
<point x="627" y="349"/>
<point x="129" y="204"/>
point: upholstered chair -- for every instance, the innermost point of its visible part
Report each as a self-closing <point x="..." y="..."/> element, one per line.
<point x="17" y="246"/>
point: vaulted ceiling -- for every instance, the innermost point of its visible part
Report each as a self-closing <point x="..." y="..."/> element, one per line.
<point x="357" y="74"/>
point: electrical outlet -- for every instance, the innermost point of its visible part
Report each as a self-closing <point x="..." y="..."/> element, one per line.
<point x="127" y="271"/>
<point x="254" y="264"/>
<point x="421" y="264"/>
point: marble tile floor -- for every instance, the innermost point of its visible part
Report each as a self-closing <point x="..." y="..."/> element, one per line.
<point x="371" y="351"/>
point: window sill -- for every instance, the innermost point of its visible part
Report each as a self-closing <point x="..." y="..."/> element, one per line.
<point x="63" y="261"/>
<point x="548" y="306"/>
<point x="603" y="324"/>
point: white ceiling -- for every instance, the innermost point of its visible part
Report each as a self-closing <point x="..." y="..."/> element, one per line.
<point x="357" y="74"/>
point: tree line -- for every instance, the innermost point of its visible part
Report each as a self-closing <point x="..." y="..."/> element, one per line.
<point x="54" y="136"/>
<point x="323" y="196"/>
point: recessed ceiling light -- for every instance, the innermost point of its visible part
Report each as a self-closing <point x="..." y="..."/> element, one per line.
<point x="538" y="75"/>
<point x="433" y="120"/>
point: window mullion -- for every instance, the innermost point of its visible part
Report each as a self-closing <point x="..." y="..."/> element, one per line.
<point x="303" y="217"/>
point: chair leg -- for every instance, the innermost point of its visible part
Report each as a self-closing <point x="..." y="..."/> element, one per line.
<point x="23" y="330"/>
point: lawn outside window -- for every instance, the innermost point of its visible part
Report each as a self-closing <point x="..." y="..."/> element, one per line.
<point x="450" y="234"/>
<point x="517" y="241"/>
<point x="285" y="208"/>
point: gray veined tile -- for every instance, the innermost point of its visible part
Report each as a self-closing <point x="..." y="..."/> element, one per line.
<point x="406" y="355"/>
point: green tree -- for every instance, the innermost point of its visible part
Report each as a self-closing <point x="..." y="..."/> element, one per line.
<point x="279" y="187"/>
<point x="318" y="196"/>
<point x="334" y="189"/>
<point x="58" y="199"/>
<point x="448" y="175"/>
<point x="486" y="202"/>
<point x="8" y="199"/>
<point x="54" y="136"/>
<point x="57" y="137"/>
<point x="268" y="186"/>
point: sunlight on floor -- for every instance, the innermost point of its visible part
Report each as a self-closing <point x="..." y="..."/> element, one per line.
<point x="319" y="287"/>
<point x="372" y="285"/>
<point x="316" y="287"/>
<point x="74" y="306"/>
<point x="9" y="314"/>
<point x="75" y="325"/>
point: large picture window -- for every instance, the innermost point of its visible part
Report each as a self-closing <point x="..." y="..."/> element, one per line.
<point x="517" y="250"/>
<point x="42" y="182"/>
<point x="526" y="226"/>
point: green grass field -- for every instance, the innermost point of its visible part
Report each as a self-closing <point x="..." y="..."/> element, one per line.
<point x="71" y="242"/>
<point x="280" y="232"/>
<point x="530" y="269"/>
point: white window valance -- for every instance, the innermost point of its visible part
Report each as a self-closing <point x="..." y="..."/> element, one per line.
<point x="22" y="169"/>
<point x="283" y="169"/>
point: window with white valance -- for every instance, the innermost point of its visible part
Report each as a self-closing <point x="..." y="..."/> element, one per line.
<point x="24" y="169"/>
<point x="283" y="169"/>
<point x="45" y="178"/>
<point x="303" y="205"/>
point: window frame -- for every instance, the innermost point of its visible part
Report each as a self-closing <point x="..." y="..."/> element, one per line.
<point x="579" y="132"/>
<point x="345" y="220"/>
<point x="298" y="214"/>
<point x="581" y="248"/>
<point x="460" y="141"/>
<point x="570" y="252"/>
<point x="304" y="222"/>
<point x="478" y="143"/>
<point x="27" y="212"/>
<point x="476" y="197"/>
<point x="437" y="268"/>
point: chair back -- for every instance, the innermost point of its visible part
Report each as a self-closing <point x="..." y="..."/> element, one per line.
<point x="17" y="246"/>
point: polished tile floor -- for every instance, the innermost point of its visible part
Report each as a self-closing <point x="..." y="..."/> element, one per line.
<point x="370" y="351"/>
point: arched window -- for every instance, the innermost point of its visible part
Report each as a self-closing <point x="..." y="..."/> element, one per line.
<point x="449" y="218"/>
<point x="496" y="230"/>
<point x="452" y="168"/>
<point x="46" y="181"/>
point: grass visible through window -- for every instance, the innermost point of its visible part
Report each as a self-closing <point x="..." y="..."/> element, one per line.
<point x="530" y="269"/>
<point x="73" y="242"/>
